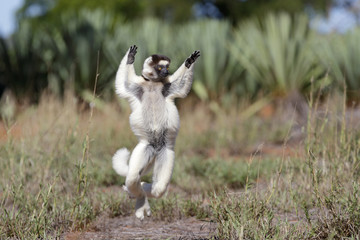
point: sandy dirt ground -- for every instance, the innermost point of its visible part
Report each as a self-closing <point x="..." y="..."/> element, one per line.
<point x="131" y="228"/>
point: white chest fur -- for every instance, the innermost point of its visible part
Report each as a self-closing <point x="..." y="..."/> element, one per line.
<point x="155" y="114"/>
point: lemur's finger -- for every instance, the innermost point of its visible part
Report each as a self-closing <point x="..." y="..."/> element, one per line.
<point x="195" y="55"/>
<point x="133" y="50"/>
<point x="131" y="55"/>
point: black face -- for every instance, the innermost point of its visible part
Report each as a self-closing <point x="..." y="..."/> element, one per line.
<point x="162" y="70"/>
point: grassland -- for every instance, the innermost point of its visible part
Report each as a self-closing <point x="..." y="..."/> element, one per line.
<point x="254" y="176"/>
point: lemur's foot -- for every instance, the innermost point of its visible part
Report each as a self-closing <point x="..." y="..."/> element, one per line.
<point x="128" y="192"/>
<point x="142" y="207"/>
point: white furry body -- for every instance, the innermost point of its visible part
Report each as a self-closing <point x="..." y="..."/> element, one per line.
<point x="155" y="121"/>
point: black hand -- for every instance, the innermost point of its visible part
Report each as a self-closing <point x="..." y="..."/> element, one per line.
<point x="190" y="60"/>
<point x="131" y="55"/>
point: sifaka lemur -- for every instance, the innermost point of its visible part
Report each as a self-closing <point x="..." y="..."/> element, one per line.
<point x="155" y="122"/>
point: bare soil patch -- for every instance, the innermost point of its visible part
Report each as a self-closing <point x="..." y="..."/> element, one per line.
<point x="131" y="228"/>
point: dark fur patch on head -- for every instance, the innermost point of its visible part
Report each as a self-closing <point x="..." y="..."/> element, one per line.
<point x="157" y="58"/>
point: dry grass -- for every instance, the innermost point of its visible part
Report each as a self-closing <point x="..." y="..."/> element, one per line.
<point x="54" y="179"/>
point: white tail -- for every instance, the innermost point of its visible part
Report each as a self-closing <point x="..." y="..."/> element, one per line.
<point x="120" y="162"/>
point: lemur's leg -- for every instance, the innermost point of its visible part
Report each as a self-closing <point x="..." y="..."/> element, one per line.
<point x="142" y="207"/>
<point x="140" y="159"/>
<point x="163" y="168"/>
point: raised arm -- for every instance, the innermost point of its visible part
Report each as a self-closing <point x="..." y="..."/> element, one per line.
<point x="127" y="82"/>
<point x="181" y="81"/>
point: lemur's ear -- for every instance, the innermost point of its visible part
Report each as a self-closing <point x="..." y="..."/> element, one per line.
<point x="149" y="61"/>
<point x="148" y="70"/>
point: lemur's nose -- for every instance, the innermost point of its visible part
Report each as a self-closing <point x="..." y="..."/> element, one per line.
<point x="165" y="71"/>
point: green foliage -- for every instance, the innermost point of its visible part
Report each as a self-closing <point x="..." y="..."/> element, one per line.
<point x="238" y="10"/>
<point x="69" y="53"/>
<point x="128" y="10"/>
<point x="66" y="56"/>
<point x="139" y="33"/>
<point x="216" y="71"/>
<point x="125" y="8"/>
<point x="50" y="10"/>
<point x="21" y="64"/>
<point x="276" y="53"/>
<point x="174" y="11"/>
<point x="74" y="50"/>
<point x="340" y="54"/>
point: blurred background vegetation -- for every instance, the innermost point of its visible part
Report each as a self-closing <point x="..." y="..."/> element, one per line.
<point x="250" y="49"/>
